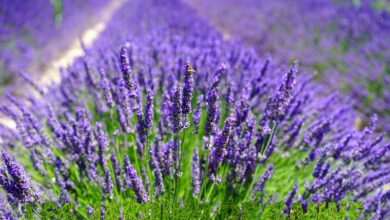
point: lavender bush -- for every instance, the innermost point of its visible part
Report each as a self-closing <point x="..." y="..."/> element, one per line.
<point x="342" y="43"/>
<point x="163" y="118"/>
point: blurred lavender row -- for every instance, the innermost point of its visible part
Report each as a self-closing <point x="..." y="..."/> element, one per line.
<point x="33" y="33"/>
<point x="345" y="44"/>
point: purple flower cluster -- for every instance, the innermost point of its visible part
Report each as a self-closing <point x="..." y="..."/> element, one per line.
<point x="136" y="183"/>
<point x="16" y="182"/>
<point x="129" y="135"/>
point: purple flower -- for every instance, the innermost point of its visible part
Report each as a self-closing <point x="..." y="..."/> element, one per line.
<point x="122" y="120"/>
<point x="37" y="161"/>
<point x="62" y="175"/>
<point x="122" y="98"/>
<point x="108" y="184"/>
<point x="222" y="140"/>
<point x="316" y="134"/>
<point x="136" y="183"/>
<point x="19" y="186"/>
<point x="159" y="181"/>
<point x="29" y="81"/>
<point x="90" y="210"/>
<point x="340" y="147"/>
<point x="363" y="147"/>
<point x="177" y="111"/>
<point x="106" y="87"/>
<point x="304" y="204"/>
<point x="195" y="173"/>
<point x="6" y="210"/>
<point x="197" y="114"/>
<point x="21" y="127"/>
<point x="317" y="172"/>
<point x="166" y="111"/>
<point x="289" y="200"/>
<point x="53" y="122"/>
<point x="102" y="211"/>
<point x="30" y="120"/>
<point x="117" y="170"/>
<point x="276" y="105"/>
<point x="148" y="118"/>
<point x="101" y="138"/>
<point x="212" y="97"/>
<point x="187" y="89"/>
<point x="264" y="178"/>
<point x="128" y="76"/>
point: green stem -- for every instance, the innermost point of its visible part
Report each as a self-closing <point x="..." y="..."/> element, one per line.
<point x="180" y="157"/>
<point x="210" y="192"/>
<point x="176" y="166"/>
<point x="256" y="174"/>
<point x="148" y="168"/>
<point x="206" y="172"/>
<point x="136" y="159"/>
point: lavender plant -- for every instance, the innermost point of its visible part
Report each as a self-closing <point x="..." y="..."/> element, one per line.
<point x="167" y="119"/>
<point x="344" y="43"/>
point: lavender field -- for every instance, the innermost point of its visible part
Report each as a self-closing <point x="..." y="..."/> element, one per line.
<point x="195" y="109"/>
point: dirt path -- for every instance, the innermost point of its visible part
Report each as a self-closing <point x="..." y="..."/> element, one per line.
<point x="52" y="73"/>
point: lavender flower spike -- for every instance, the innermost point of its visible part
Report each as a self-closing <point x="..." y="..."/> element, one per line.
<point x="102" y="211"/>
<point x="136" y="182"/>
<point x="105" y="85"/>
<point x="289" y="200"/>
<point x="19" y="186"/>
<point x="148" y="119"/>
<point x="159" y="187"/>
<point x="276" y="105"/>
<point x="108" y="184"/>
<point x="187" y="89"/>
<point x="128" y="76"/>
<point x="195" y="172"/>
<point x="212" y="97"/>
<point x="197" y="113"/>
<point x="176" y="111"/>
<point x="117" y="170"/>
<point x="222" y="140"/>
<point x="264" y="177"/>
<point x="102" y="141"/>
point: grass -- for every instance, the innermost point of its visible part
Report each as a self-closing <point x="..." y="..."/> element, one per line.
<point x="193" y="210"/>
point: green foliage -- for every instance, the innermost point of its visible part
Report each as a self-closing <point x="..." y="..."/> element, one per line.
<point x="57" y="4"/>
<point x="191" y="209"/>
<point x="214" y="202"/>
<point x="381" y="5"/>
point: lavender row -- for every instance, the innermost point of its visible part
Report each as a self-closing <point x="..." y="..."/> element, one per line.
<point x="162" y="104"/>
<point x="343" y="43"/>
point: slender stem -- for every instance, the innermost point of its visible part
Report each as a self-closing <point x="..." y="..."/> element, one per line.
<point x="180" y="157"/>
<point x="82" y="214"/>
<point x="210" y="192"/>
<point x="176" y="166"/>
<point x="206" y="171"/>
<point x="38" y="209"/>
<point x="146" y="158"/>
<point x="270" y="137"/>
<point x="135" y="154"/>
<point x="256" y="174"/>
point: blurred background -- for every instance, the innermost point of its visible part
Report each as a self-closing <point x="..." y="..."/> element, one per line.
<point x="35" y="34"/>
<point x="342" y="43"/>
